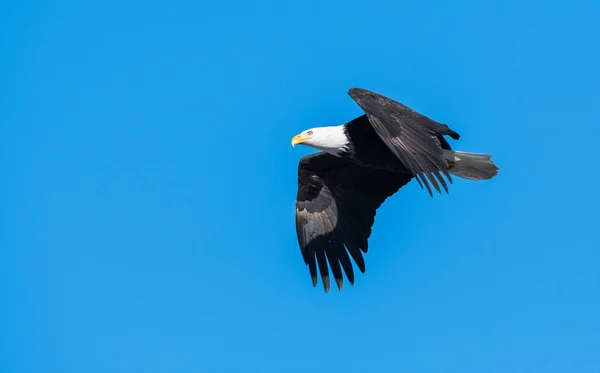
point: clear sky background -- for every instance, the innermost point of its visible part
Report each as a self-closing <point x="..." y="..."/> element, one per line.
<point x="148" y="185"/>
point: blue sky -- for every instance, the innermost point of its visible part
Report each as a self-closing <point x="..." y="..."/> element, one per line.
<point x="147" y="220"/>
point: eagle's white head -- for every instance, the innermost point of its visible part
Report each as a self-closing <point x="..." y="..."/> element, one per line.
<point x="332" y="140"/>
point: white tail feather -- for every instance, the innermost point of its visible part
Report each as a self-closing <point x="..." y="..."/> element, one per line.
<point x="471" y="166"/>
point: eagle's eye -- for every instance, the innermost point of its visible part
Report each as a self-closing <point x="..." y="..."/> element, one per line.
<point x="309" y="133"/>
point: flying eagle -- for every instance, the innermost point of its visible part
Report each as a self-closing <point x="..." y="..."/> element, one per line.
<point x="362" y="163"/>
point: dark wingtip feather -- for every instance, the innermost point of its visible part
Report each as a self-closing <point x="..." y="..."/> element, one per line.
<point x="326" y="284"/>
<point x="347" y="265"/>
<point x="340" y="283"/>
<point x="358" y="259"/>
<point x="419" y="181"/>
<point x="433" y="182"/>
<point x="442" y="181"/>
<point x="361" y="267"/>
<point x="421" y="177"/>
<point x="334" y="262"/>
<point x="322" y="262"/>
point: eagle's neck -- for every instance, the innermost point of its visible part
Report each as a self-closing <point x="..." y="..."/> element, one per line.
<point x="333" y="140"/>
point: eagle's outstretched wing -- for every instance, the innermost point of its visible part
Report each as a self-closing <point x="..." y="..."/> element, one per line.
<point x="412" y="137"/>
<point x="335" y="210"/>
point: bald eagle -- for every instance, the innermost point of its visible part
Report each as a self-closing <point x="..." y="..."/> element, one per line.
<point x="361" y="164"/>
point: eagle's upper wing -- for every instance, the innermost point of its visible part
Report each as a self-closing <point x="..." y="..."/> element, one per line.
<point x="412" y="137"/>
<point x="335" y="210"/>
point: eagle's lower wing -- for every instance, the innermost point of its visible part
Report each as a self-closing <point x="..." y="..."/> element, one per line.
<point x="412" y="137"/>
<point x="335" y="210"/>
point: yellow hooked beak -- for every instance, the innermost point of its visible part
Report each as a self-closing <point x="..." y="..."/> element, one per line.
<point x="299" y="139"/>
